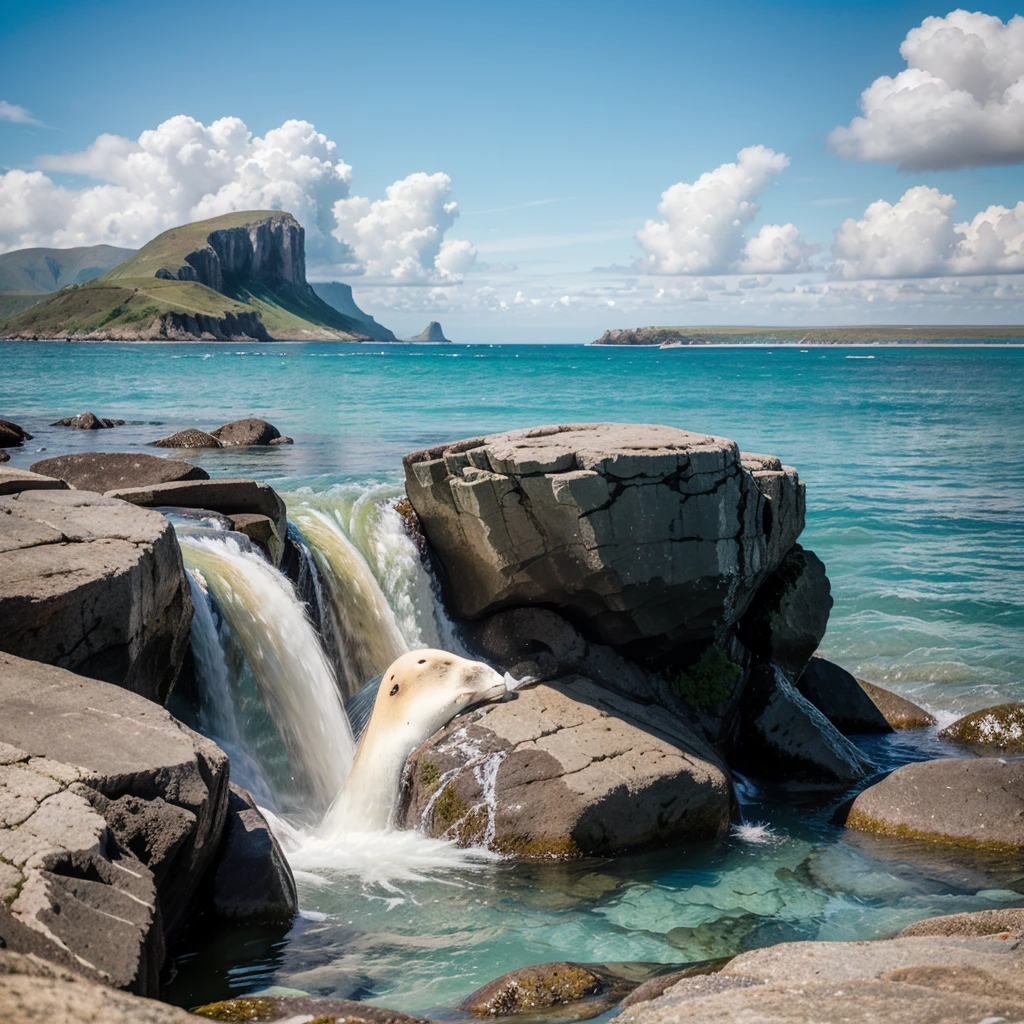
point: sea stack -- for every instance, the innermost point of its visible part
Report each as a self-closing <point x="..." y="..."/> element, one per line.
<point x="431" y="333"/>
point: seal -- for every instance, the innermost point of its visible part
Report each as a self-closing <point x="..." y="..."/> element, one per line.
<point x="418" y="694"/>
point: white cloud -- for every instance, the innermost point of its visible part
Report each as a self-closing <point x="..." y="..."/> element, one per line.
<point x="959" y="103"/>
<point x="918" y="237"/>
<point x="402" y="237"/>
<point x="183" y="170"/>
<point x="704" y="223"/>
<point x="17" y="115"/>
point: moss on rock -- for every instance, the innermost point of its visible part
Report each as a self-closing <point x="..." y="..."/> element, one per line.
<point x="708" y="682"/>
<point x="995" y="730"/>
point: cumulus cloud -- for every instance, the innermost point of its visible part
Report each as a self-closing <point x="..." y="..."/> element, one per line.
<point x="183" y="170"/>
<point x="959" y="103"/>
<point x="703" y="231"/>
<point x="17" y="115"/>
<point x="917" y="236"/>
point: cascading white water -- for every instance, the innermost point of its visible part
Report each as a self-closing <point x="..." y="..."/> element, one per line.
<point x="294" y="677"/>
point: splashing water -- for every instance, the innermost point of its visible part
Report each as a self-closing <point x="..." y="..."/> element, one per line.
<point x="294" y="677"/>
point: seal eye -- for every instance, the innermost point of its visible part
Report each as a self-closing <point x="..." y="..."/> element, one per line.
<point x="394" y="689"/>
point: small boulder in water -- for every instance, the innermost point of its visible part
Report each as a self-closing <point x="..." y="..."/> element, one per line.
<point x="11" y="434"/>
<point x="995" y="730"/>
<point x="244" y="433"/>
<point x="899" y="712"/>
<point x="841" y="699"/>
<point x="269" y="1009"/>
<point x="190" y="438"/>
<point x="88" y="421"/>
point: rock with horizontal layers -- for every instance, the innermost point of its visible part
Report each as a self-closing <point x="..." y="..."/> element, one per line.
<point x="112" y="814"/>
<point x="932" y="980"/>
<point x="841" y="699"/>
<point x="104" y="471"/>
<point x="899" y="712"/>
<point x="190" y="438"/>
<point x="646" y="537"/>
<point x="14" y="481"/>
<point x="88" y="421"/>
<point x="996" y="730"/>
<point x="323" y="1010"/>
<point x="783" y="736"/>
<point x="12" y="435"/>
<point x="95" y="585"/>
<point x="33" y="990"/>
<point x="786" y="620"/>
<point x="975" y="802"/>
<point x="243" y="433"/>
<point x="253" y="883"/>
<point x="566" y="769"/>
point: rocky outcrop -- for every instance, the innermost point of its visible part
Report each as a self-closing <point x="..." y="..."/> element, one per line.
<point x="783" y="736"/>
<point x="648" y="336"/>
<point x="88" y="421"/>
<point x="566" y="769"/>
<point x="112" y="814"/>
<point x="242" y="433"/>
<point x="431" y="333"/>
<point x="92" y="584"/>
<point x="11" y="435"/>
<point x="841" y="699"/>
<point x="786" y="620"/>
<point x="996" y="730"/>
<point x="645" y="537"/>
<point x="199" y="326"/>
<point x="935" y="980"/>
<point x="104" y="471"/>
<point x="188" y="438"/>
<point x="899" y="712"/>
<point x="338" y="296"/>
<point x="253" y="883"/>
<point x="976" y="803"/>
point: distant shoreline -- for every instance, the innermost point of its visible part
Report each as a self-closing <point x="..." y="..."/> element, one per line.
<point x="690" y="337"/>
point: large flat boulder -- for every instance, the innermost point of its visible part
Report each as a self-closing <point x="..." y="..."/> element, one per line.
<point x="95" y="585"/>
<point x="14" y="481"/>
<point x="566" y="769"/>
<point x="975" y="802"/>
<point x="644" y="535"/>
<point x="105" y="471"/>
<point x="111" y="813"/>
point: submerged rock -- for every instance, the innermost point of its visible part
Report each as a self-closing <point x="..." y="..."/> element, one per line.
<point x="104" y="471"/>
<point x="995" y="730"/>
<point x="88" y="421"/>
<point x="92" y="584"/>
<point x="111" y="812"/>
<point x="12" y="435"/>
<point x="242" y="433"/>
<point x="899" y="712"/>
<point x="970" y="802"/>
<point x="321" y="1010"/>
<point x="647" y="536"/>
<point x="566" y="769"/>
<point x="190" y="438"/>
<point x="841" y="699"/>
<point x="253" y="883"/>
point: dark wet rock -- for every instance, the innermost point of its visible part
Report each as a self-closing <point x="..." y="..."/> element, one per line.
<point x="996" y="730"/>
<point x="93" y="584"/>
<point x="104" y="471"/>
<point x="14" y="481"/>
<point x="4" y="457"/>
<point x="12" y="435"/>
<point x="242" y="433"/>
<point x="969" y="802"/>
<point x="783" y="736"/>
<point x="899" y="712"/>
<point x="282" y="440"/>
<point x="841" y="699"/>
<point x="88" y="421"/>
<point x="321" y="1010"/>
<point x="787" y="618"/>
<point x="1004" y="921"/>
<point x="190" y="438"/>
<point x="111" y="812"/>
<point x="261" y="531"/>
<point x="36" y="991"/>
<point x="253" y="883"/>
<point x="646" y="537"/>
<point x="566" y="769"/>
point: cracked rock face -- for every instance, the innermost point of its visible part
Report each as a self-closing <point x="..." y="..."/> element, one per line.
<point x="566" y="769"/>
<point x="644" y="535"/>
<point x="111" y="813"/>
<point x="93" y="584"/>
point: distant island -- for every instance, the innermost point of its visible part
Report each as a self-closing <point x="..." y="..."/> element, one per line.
<point x="432" y="333"/>
<point x="679" y="337"/>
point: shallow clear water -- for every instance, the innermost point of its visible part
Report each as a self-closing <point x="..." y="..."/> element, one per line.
<point x="915" y="503"/>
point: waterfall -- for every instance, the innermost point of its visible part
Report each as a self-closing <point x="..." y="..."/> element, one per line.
<point x="294" y="677"/>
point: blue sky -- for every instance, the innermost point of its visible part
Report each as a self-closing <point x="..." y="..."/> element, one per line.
<point x="559" y="126"/>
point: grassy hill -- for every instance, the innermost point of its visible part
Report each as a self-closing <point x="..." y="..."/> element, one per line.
<point x="238" y="276"/>
<point x="30" y="271"/>
<point x="806" y="335"/>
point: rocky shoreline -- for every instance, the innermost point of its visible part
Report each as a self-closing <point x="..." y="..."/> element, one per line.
<point x="647" y="583"/>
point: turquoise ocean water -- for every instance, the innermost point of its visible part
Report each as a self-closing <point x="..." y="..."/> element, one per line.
<point x="911" y="458"/>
